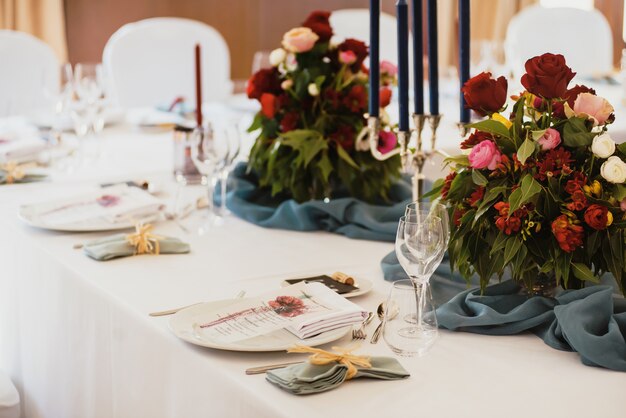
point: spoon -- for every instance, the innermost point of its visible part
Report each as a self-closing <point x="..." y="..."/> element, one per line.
<point x="380" y="311"/>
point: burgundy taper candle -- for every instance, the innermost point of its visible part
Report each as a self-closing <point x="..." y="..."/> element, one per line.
<point x="198" y="86"/>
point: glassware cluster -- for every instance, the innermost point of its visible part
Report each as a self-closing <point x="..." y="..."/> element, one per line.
<point x="410" y="322"/>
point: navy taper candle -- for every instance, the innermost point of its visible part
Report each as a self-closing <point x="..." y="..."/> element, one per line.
<point x="403" y="63"/>
<point x="374" y="99"/>
<point x="418" y="58"/>
<point x="464" y="53"/>
<point x="433" y="59"/>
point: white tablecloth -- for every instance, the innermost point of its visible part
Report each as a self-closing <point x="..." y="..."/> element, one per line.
<point x="76" y="338"/>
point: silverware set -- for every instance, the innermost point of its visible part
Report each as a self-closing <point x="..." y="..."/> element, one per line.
<point x="359" y="333"/>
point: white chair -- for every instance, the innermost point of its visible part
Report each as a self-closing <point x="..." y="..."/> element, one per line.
<point x="9" y="398"/>
<point x="583" y="37"/>
<point x="29" y="68"/>
<point x="354" y="23"/>
<point x="151" y="62"/>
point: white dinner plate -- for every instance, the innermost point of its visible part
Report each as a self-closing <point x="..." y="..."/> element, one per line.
<point x="29" y="214"/>
<point x="364" y="286"/>
<point x="182" y="325"/>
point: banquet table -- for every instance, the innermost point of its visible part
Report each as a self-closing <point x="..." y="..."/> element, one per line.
<point x="77" y="341"/>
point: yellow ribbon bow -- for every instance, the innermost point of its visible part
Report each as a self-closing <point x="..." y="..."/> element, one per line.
<point x="321" y="357"/>
<point x="143" y="241"/>
<point x="14" y="171"/>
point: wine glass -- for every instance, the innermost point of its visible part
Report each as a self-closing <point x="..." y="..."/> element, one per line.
<point x="436" y="209"/>
<point x="233" y="136"/>
<point x="88" y="109"/>
<point x="419" y="241"/>
<point x="209" y="153"/>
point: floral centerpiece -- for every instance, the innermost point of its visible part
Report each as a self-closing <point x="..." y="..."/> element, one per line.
<point x="312" y="103"/>
<point x="540" y="191"/>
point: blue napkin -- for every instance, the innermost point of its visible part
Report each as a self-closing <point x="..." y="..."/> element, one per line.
<point x="344" y="215"/>
<point x="117" y="246"/>
<point x="590" y="321"/>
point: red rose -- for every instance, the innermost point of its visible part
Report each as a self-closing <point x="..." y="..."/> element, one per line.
<point x="547" y="76"/>
<point x="344" y="136"/>
<point x="289" y="121"/>
<point x="318" y="22"/>
<point x="358" y="48"/>
<point x="475" y="138"/>
<point x="356" y="99"/>
<point x="263" y="81"/>
<point x="483" y="94"/>
<point x="385" y="96"/>
<point x="268" y="105"/>
<point x="567" y="234"/>
<point x="597" y="217"/>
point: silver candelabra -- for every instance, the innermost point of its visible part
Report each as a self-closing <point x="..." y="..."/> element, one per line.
<point x="412" y="160"/>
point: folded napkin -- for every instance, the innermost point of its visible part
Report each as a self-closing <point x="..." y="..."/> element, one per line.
<point x="344" y="215"/>
<point x="306" y="378"/>
<point x="12" y="173"/>
<point x="590" y="321"/>
<point x="118" y="246"/>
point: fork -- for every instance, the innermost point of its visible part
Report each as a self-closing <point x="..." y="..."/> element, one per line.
<point x="359" y="333"/>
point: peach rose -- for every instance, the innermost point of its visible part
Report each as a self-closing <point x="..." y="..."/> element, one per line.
<point x="299" y="40"/>
<point x="593" y="107"/>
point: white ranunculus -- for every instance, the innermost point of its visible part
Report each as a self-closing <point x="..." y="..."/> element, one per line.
<point x="277" y="56"/>
<point x="603" y="146"/>
<point x="313" y="90"/>
<point x="614" y="170"/>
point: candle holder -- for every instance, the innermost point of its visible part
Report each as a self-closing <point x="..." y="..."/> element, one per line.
<point x="463" y="129"/>
<point x="412" y="160"/>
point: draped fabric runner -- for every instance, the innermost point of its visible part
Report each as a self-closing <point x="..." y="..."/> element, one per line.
<point x="590" y="321"/>
<point x="344" y="215"/>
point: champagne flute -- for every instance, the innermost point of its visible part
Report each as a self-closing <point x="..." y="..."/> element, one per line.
<point x="233" y="136"/>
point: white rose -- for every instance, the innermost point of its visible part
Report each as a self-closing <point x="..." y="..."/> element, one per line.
<point x="614" y="170"/>
<point x="277" y="56"/>
<point x="286" y="84"/>
<point x="603" y="146"/>
<point x="291" y="64"/>
<point x="313" y="90"/>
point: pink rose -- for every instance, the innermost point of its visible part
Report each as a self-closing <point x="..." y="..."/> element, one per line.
<point x="347" y="57"/>
<point x="593" y="107"/>
<point x="388" y="68"/>
<point x="299" y="40"/>
<point x="485" y="154"/>
<point x="386" y="142"/>
<point x="550" y="139"/>
<point x="622" y="205"/>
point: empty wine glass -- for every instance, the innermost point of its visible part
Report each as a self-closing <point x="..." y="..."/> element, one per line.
<point x="209" y="153"/>
<point x="419" y="241"/>
<point x="88" y="108"/>
<point x="231" y="134"/>
<point x="435" y="209"/>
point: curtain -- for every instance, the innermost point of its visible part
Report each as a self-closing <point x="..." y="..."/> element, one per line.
<point x="44" y="19"/>
<point x="489" y="20"/>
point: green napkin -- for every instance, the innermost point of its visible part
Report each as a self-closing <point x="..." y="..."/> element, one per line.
<point x="28" y="178"/>
<point x="116" y="246"/>
<point x="306" y="378"/>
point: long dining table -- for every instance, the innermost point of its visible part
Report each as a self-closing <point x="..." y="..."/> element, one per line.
<point x="77" y="340"/>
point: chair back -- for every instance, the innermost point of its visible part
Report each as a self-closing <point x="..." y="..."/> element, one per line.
<point x="29" y="73"/>
<point x="152" y="61"/>
<point x="583" y="37"/>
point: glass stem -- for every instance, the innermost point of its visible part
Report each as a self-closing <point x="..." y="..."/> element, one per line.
<point x="419" y="298"/>
<point x="223" y="185"/>
<point x="211" y="183"/>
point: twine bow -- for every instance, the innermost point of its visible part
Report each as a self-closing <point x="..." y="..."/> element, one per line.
<point x="14" y="171"/>
<point x="321" y="357"/>
<point x="144" y="241"/>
